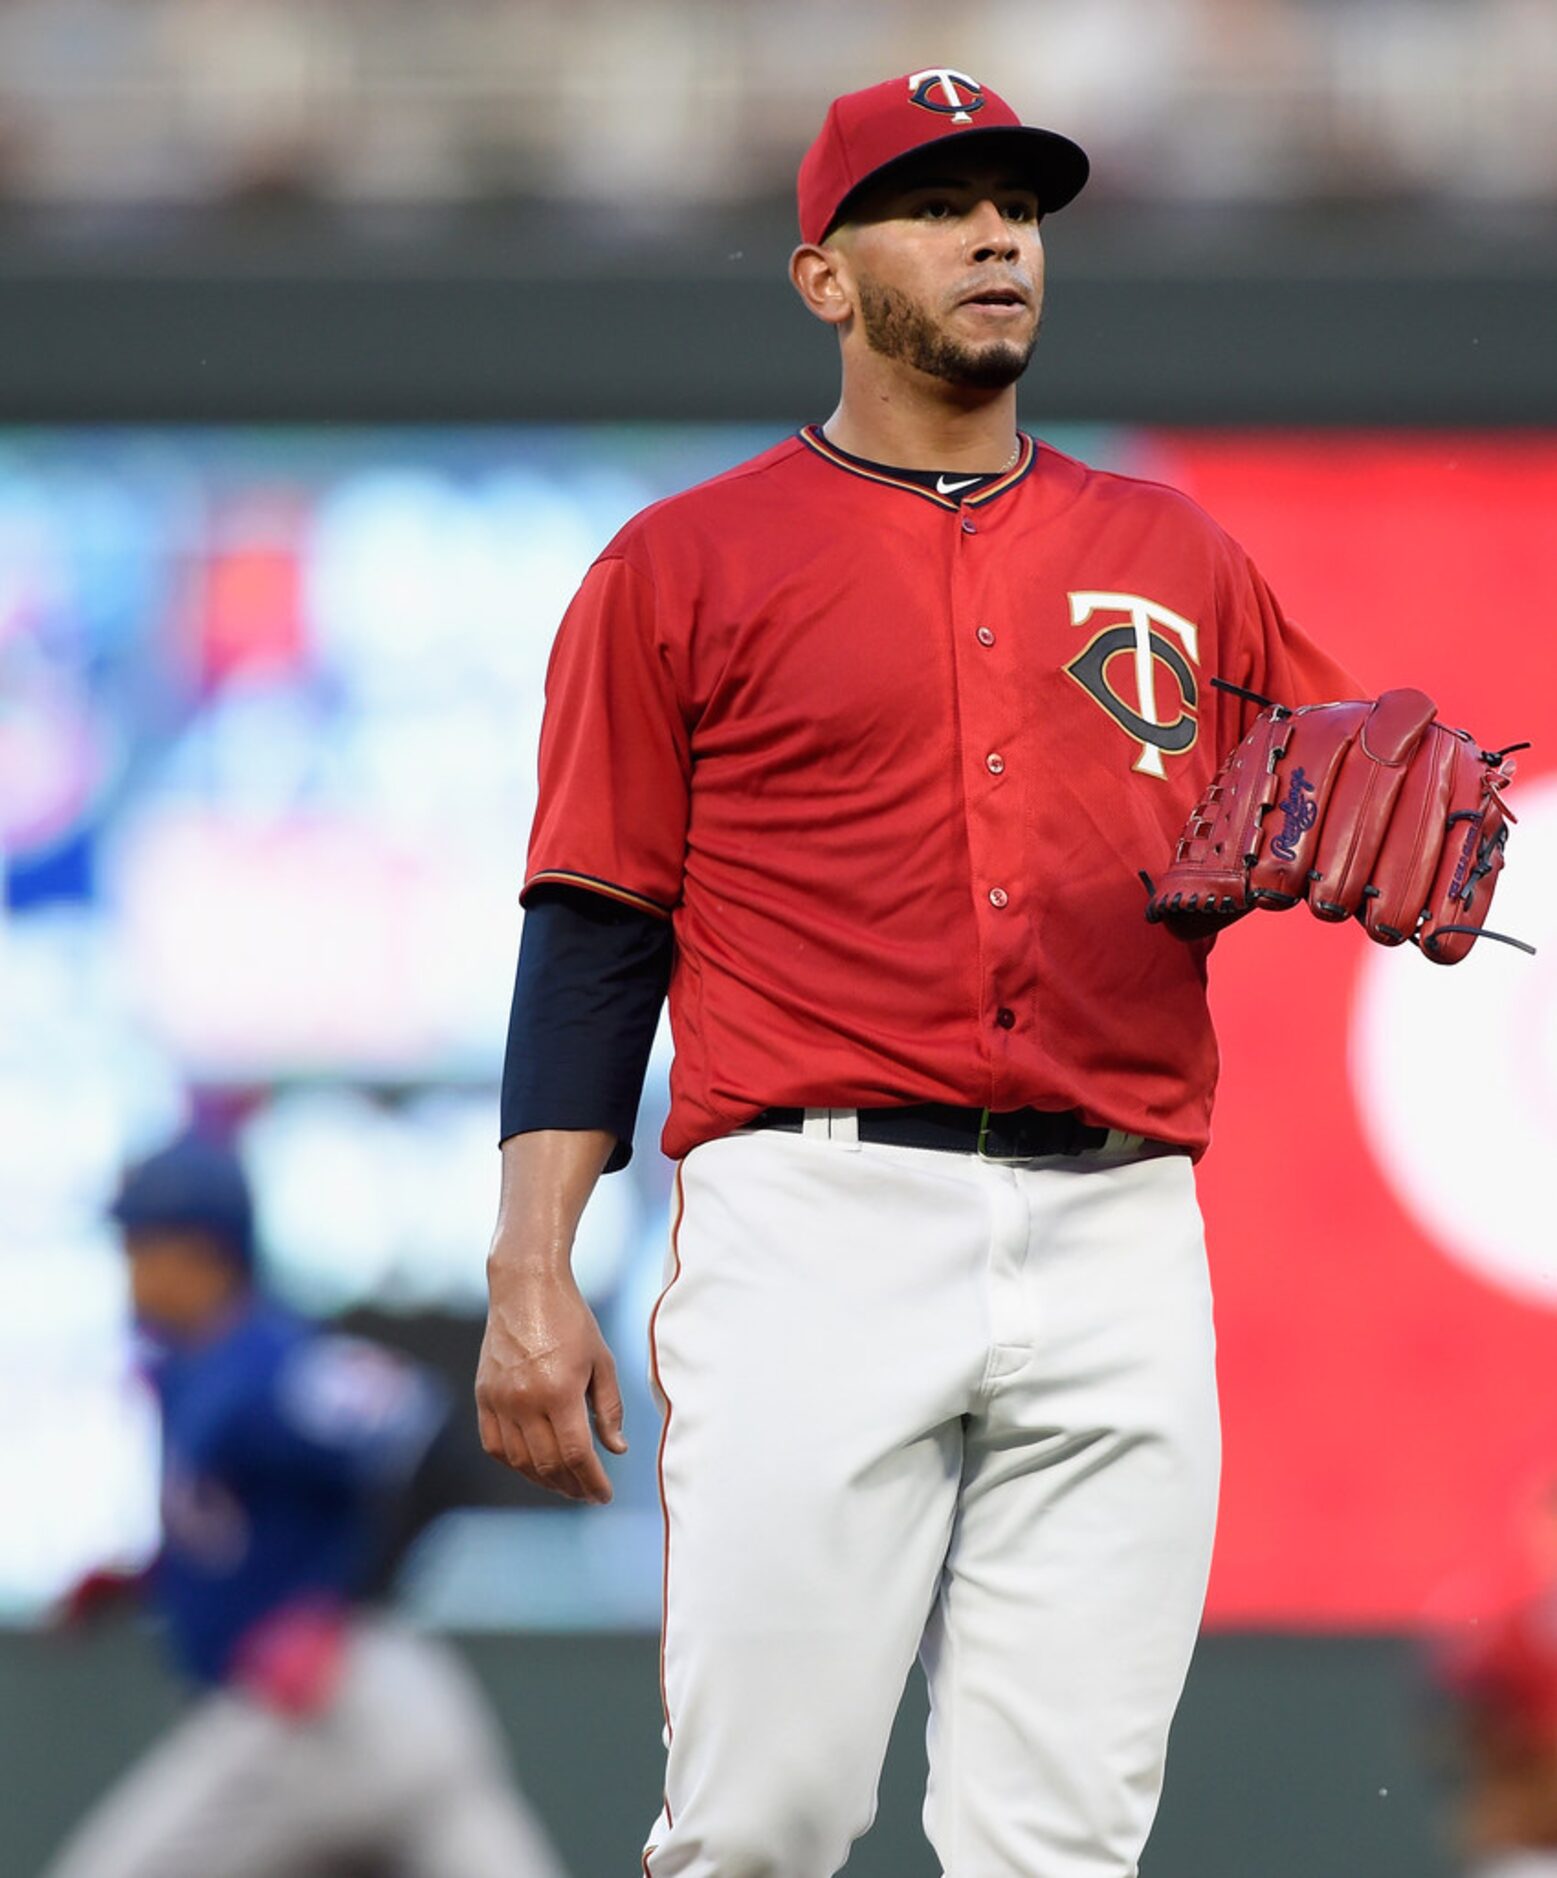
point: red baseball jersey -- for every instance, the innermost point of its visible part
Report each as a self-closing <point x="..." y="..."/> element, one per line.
<point x="891" y="762"/>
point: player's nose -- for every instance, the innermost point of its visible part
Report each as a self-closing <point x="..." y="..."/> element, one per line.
<point x="990" y="236"/>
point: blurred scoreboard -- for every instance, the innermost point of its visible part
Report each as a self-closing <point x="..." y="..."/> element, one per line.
<point x="268" y="708"/>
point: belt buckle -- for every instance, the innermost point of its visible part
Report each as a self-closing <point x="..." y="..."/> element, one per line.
<point x="996" y="1160"/>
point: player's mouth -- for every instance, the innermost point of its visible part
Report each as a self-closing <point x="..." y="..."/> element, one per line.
<point x="997" y="302"/>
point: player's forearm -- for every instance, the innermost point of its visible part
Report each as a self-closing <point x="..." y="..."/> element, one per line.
<point x="548" y="1176"/>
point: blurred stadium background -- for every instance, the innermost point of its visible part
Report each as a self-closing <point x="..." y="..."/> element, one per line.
<point x="335" y="338"/>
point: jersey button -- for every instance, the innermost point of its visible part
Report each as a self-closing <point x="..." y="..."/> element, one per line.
<point x="969" y="526"/>
<point x="985" y="636"/>
<point x="998" y="896"/>
<point x="1006" y="1019"/>
<point x="995" y="763"/>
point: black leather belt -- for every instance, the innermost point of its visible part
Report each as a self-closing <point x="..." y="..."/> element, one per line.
<point x="1018" y="1135"/>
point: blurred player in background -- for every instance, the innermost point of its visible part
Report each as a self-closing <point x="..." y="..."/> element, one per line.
<point x="297" y="1465"/>
<point x="1502" y="1675"/>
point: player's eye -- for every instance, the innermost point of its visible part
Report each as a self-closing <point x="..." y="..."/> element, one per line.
<point x="934" y="209"/>
<point x="1021" y="209"/>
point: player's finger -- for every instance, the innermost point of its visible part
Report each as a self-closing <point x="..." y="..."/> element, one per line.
<point x="547" y="1466"/>
<point x="491" y="1430"/>
<point x="605" y="1404"/>
<point x="576" y="1450"/>
<point x="503" y="1441"/>
<point x="516" y="1451"/>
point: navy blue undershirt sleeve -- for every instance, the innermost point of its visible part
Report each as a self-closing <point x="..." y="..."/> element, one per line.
<point x="587" y="994"/>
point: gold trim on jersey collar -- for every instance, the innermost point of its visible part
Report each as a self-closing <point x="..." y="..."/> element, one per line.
<point x="811" y="434"/>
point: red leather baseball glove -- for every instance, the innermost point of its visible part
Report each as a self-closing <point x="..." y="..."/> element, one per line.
<point x="1366" y="809"/>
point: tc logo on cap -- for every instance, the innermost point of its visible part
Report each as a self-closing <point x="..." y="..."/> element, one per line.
<point x="943" y="92"/>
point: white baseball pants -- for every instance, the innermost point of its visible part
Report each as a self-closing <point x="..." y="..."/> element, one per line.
<point x="405" y="1769"/>
<point x="917" y="1403"/>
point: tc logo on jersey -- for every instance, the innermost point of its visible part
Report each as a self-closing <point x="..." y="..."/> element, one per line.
<point x="948" y="94"/>
<point x="1141" y="716"/>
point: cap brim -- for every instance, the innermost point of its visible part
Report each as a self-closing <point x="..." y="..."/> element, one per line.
<point x="1056" y="167"/>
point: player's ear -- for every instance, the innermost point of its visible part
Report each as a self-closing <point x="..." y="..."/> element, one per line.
<point x="820" y="277"/>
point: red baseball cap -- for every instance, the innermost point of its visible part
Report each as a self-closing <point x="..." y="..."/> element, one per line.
<point x="866" y="132"/>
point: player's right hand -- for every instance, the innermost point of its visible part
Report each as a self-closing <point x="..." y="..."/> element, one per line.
<point x="96" y="1594"/>
<point x="545" y="1372"/>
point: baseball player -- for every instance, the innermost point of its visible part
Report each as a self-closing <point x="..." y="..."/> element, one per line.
<point x="1504" y="1677"/>
<point x="1501" y="1673"/>
<point x="859" y="749"/>
<point x="325" y="1732"/>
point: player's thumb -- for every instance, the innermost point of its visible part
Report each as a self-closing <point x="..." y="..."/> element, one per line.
<point x="605" y="1400"/>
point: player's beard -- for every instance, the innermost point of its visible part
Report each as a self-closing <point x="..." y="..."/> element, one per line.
<point x="898" y="329"/>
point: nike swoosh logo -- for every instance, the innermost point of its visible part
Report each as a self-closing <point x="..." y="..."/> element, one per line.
<point x="945" y="488"/>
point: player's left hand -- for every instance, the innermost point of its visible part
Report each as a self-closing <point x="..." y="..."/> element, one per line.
<point x="290" y="1662"/>
<point x="1367" y="809"/>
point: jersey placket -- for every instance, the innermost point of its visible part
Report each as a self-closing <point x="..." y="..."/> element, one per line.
<point x="988" y="723"/>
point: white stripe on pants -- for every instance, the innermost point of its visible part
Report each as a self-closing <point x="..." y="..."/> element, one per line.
<point x="920" y="1403"/>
